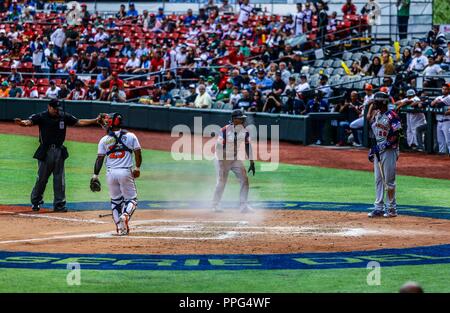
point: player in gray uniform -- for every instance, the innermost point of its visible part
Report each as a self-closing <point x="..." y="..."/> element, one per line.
<point x="386" y="126"/>
<point x="229" y="156"/>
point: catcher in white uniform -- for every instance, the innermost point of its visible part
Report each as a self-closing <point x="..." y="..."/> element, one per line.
<point x="229" y="156"/>
<point x="118" y="147"/>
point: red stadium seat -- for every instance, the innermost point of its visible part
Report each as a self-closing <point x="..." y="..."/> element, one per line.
<point x="43" y="82"/>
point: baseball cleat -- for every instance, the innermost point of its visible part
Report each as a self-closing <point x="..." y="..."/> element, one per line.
<point x="376" y="213"/>
<point x="37" y="207"/>
<point x="217" y="210"/>
<point x="390" y="213"/>
<point x="124" y="218"/>
<point x="247" y="209"/>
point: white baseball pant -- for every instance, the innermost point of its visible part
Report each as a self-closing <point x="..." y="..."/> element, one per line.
<point x="122" y="191"/>
<point x="223" y="167"/>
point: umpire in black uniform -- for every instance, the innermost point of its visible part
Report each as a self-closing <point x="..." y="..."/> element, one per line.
<point x="51" y="153"/>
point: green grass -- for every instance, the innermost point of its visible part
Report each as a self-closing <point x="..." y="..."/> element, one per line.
<point x="342" y="280"/>
<point x="166" y="179"/>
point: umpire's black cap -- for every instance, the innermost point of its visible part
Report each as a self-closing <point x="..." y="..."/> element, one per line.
<point x="238" y="113"/>
<point x="54" y="103"/>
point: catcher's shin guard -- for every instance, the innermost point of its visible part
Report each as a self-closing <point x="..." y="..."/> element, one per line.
<point x="116" y="207"/>
<point x="130" y="207"/>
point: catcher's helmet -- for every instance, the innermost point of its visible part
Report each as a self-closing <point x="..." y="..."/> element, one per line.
<point x="113" y="120"/>
<point x="238" y="113"/>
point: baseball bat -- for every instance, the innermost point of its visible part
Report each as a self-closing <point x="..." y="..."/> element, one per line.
<point x="105" y="215"/>
<point x="380" y="168"/>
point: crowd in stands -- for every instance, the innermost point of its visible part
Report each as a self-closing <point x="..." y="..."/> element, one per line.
<point x="221" y="57"/>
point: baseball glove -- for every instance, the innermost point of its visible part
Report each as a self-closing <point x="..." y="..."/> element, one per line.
<point x="95" y="185"/>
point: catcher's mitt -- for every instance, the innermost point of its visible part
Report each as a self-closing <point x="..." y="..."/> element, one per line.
<point x="95" y="185"/>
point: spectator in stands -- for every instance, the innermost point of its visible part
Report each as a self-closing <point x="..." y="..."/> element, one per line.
<point x="71" y="43"/>
<point x="419" y="62"/>
<point x="122" y="14"/>
<point x="85" y="15"/>
<point x="132" y="12"/>
<point x="351" y="110"/>
<point x="349" y="8"/>
<point x="325" y="88"/>
<point x="203" y="99"/>
<point x="387" y="67"/>
<point x="211" y="87"/>
<point x="189" y="18"/>
<point x="78" y="93"/>
<point x="356" y="68"/>
<point x="291" y="95"/>
<point x="101" y="34"/>
<point x="303" y="86"/>
<point x="405" y="60"/>
<point x="127" y="49"/>
<point x="165" y="98"/>
<point x="403" y="18"/>
<point x="52" y="91"/>
<point x="308" y="13"/>
<point x="72" y="80"/>
<point x="93" y="92"/>
<point x="430" y="72"/>
<point x="245" y="102"/>
<point x="15" y="76"/>
<point x="30" y="90"/>
<point x="4" y="90"/>
<point x="262" y="82"/>
<point x="189" y="101"/>
<point x="37" y="48"/>
<point x="437" y="52"/>
<point x="71" y="64"/>
<point x="5" y="43"/>
<point x="116" y="37"/>
<point x="375" y="67"/>
<point x="202" y="16"/>
<point x="210" y="6"/>
<point x="245" y="10"/>
<point x="58" y="37"/>
<point x="373" y="11"/>
<point x="63" y="92"/>
<point x="143" y="49"/>
<point x="226" y="7"/>
<point x="145" y="65"/>
<point x="14" y="91"/>
<point x="160" y="16"/>
<point x="235" y="96"/>
<point x="273" y="103"/>
<point x="285" y="73"/>
<point x="170" y="81"/>
<point x="133" y="63"/>
<point x="157" y="62"/>
<point x="104" y="74"/>
<point x="322" y="23"/>
<point x="117" y="93"/>
<point x="316" y="105"/>
<point x="102" y="62"/>
<point x="223" y="98"/>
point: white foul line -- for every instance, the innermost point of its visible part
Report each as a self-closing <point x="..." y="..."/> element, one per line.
<point x="67" y="219"/>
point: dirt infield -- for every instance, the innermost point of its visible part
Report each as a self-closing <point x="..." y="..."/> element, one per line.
<point x="413" y="164"/>
<point x="204" y="232"/>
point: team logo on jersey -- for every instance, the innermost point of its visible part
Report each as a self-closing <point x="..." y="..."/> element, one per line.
<point x="124" y="139"/>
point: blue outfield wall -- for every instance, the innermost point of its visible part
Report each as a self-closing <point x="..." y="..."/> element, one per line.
<point x="294" y="128"/>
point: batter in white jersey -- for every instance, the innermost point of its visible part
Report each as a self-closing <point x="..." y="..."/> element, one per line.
<point x="118" y="147"/>
<point x="229" y="157"/>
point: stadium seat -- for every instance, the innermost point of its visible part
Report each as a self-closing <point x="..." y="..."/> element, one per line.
<point x="329" y="71"/>
<point x="347" y="55"/>
<point x="356" y="56"/>
<point x="375" y="49"/>
<point x="318" y="63"/>
<point x="328" y="63"/>
<point x="337" y="64"/>
<point x="339" y="71"/>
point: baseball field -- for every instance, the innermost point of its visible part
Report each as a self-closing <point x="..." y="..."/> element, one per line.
<point x="309" y="231"/>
